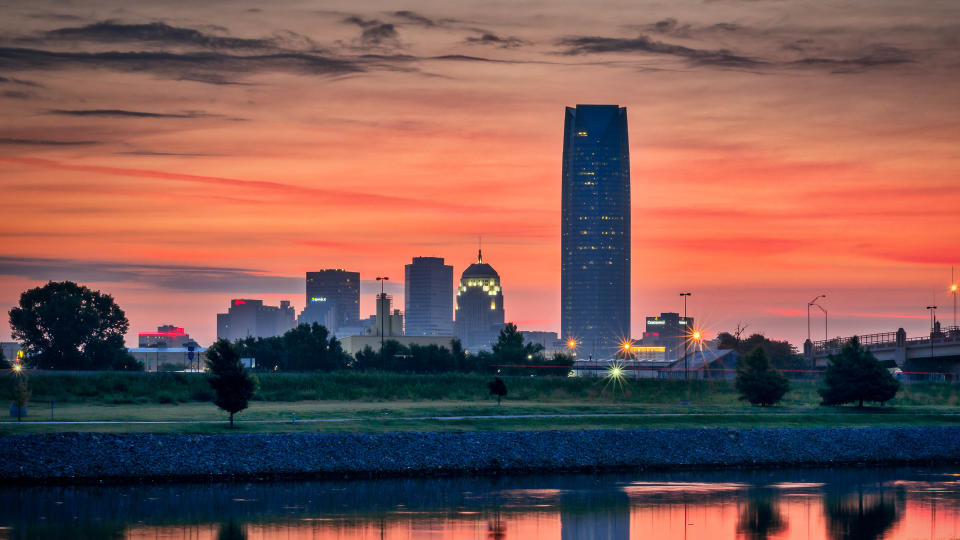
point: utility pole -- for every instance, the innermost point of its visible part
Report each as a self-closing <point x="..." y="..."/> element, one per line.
<point x="686" y="372"/>
<point x="381" y="308"/>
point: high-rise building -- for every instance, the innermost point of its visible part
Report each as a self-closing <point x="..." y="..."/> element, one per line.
<point x="595" y="229"/>
<point x="250" y="318"/>
<point x="479" y="306"/>
<point x="428" y="297"/>
<point x="339" y="288"/>
<point x="387" y="322"/>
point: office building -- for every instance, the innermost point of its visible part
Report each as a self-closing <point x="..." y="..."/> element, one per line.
<point x="595" y="229"/>
<point x="339" y="288"/>
<point x="670" y="331"/>
<point x="250" y="318"/>
<point x="320" y="310"/>
<point x="428" y="297"/>
<point x="479" y="315"/>
<point x="166" y="336"/>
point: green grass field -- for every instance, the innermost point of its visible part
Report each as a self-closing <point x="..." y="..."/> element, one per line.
<point x="355" y="402"/>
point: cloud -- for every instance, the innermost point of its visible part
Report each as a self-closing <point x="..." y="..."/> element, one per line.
<point x="16" y="94"/>
<point x="488" y="38"/>
<point x="415" y="18"/>
<point x="177" y="65"/>
<point x="875" y="56"/>
<point x="127" y="114"/>
<point x="45" y="142"/>
<point x="157" y="32"/>
<point x="11" y="80"/>
<point x="595" y="45"/>
<point x="375" y="32"/>
<point x="164" y="276"/>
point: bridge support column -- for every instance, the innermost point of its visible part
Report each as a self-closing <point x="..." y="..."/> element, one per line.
<point x="900" y="354"/>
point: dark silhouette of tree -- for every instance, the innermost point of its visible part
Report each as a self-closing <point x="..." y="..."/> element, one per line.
<point x="229" y="379"/>
<point x="20" y="393"/>
<point x="854" y="375"/>
<point x="782" y="354"/>
<point x="510" y="350"/>
<point x="63" y="325"/>
<point x="758" y="382"/>
<point x="862" y="518"/>
<point x="760" y="519"/>
<point x="311" y="348"/>
<point x="497" y="388"/>
<point x="231" y="530"/>
<point x="459" y="356"/>
<point x="563" y="363"/>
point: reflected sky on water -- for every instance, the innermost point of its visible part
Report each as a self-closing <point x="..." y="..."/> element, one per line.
<point x="786" y="504"/>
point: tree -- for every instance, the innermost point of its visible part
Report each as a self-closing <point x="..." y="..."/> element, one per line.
<point x="497" y="388"/>
<point x="233" y="385"/>
<point x="511" y="350"/>
<point x="758" y="382"/>
<point x="21" y="393"/>
<point x="309" y="348"/>
<point x="854" y="375"/>
<point x="63" y="325"/>
<point x="782" y="354"/>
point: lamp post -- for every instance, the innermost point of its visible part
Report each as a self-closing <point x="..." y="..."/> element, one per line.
<point x="954" y="289"/>
<point x="933" y="318"/>
<point x="380" y="310"/>
<point x="809" y="305"/>
<point x="686" y="327"/>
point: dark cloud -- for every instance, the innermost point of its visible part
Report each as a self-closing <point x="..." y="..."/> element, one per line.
<point x="163" y="154"/>
<point x="16" y="94"/>
<point x="375" y="32"/>
<point x="157" y="32"/>
<point x="45" y="142"/>
<point x="127" y="114"/>
<point x="164" y="276"/>
<point x="876" y="56"/>
<point x="177" y="65"/>
<point x="414" y="17"/>
<point x="487" y="38"/>
<point x="595" y="45"/>
<point x="21" y="82"/>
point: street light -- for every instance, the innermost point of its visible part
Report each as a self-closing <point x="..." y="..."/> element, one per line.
<point x="685" y="295"/>
<point x="933" y="318"/>
<point x="380" y="308"/>
<point x="809" y="305"/>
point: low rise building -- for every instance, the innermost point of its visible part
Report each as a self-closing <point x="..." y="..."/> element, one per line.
<point x="250" y="318"/>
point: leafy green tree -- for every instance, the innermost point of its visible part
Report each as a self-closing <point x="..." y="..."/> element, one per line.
<point x="782" y="354"/>
<point x="497" y="388"/>
<point x="233" y="385"/>
<point x="854" y="375"/>
<point x="758" y="382"/>
<point x="63" y="325"/>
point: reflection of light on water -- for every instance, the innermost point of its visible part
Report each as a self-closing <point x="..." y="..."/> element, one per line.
<point x="797" y="485"/>
<point x="675" y="487"/>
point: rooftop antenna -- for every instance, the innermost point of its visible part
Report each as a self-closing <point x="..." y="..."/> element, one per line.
<point x="480" y="250"/>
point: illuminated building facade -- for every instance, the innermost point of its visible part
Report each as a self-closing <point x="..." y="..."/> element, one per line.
<point x="166" y="336"/>
<point x="339" y="290"/>
<point x="479" y="315"/>
<point x="595" y="229"/>
<point x="250" y="318"/>
<point x="428" y="297"/>
<point x="670" y="331"/>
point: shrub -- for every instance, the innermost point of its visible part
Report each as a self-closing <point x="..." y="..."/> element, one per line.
<point x="758" y="382"/>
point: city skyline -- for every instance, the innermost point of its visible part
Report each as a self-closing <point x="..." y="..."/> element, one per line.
<point x="779" y="151"/>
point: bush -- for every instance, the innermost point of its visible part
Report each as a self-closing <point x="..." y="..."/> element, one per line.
<point x="758" y="382"/>
<point x="854" y="375"/>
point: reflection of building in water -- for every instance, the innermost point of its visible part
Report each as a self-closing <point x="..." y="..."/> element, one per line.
<point x="595" y="515"/>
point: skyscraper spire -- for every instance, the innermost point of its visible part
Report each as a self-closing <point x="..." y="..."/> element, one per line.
<point x="479" y="250"/>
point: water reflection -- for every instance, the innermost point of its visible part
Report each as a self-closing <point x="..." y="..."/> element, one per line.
<point x="816" y="504"/>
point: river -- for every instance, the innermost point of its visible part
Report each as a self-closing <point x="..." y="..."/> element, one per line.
<point x="846" y="503"/>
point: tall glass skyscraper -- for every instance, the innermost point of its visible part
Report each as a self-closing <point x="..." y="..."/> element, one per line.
<point x="428" y="296"/>
<point x="339" y="288"/>
<point x="595" y="230"/>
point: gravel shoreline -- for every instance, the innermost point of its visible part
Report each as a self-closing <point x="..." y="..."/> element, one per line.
<point x="107" y="457"/>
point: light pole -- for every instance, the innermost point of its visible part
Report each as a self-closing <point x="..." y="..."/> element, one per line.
<point x="933" y="318"/>
<point x="954" y="289"/>
<point x="380" y="308"/>
<point x="809" y="305"/>
<point x="686" y="327"/>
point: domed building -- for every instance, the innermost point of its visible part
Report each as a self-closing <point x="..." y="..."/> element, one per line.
<point x="479" y="313"/>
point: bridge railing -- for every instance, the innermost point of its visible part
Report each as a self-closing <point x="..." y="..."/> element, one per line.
<point x="867" y="340"/>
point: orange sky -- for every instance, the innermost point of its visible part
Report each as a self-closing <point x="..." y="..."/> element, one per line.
<point x="779" y="150"/>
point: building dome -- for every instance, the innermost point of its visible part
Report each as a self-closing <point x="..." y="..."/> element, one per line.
<point x="480" y="269"/>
